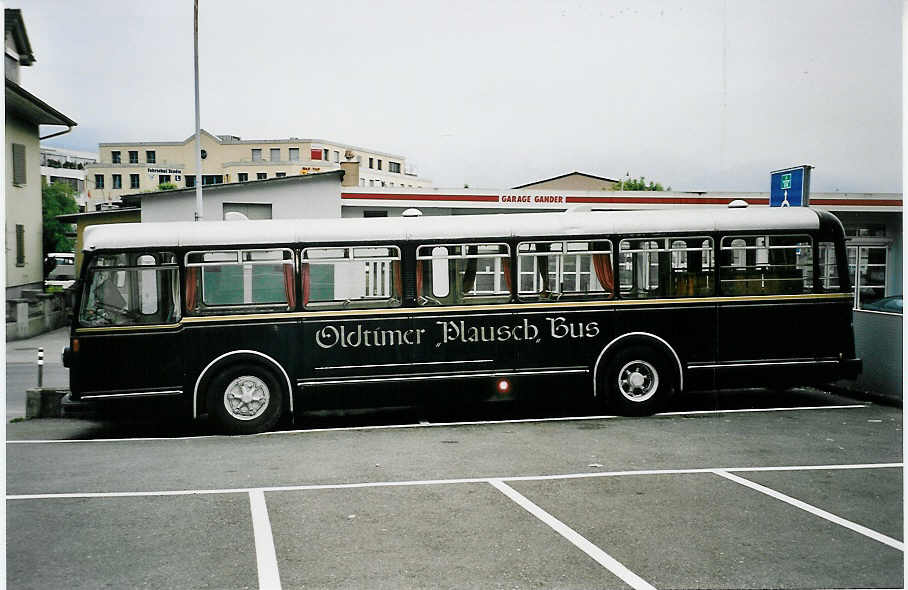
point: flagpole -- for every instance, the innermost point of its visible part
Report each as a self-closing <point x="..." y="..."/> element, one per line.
<point x="199" y="213"/>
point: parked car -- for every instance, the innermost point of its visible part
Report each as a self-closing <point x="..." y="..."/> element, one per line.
<point x="891" y="304"/>
<point x="59" y="271"/>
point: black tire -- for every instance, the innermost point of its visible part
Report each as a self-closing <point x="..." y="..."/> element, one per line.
<point x="245" y="398"/>
<point x="637" y="381"/>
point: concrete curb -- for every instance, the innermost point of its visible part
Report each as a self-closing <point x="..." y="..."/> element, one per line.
<point x="44" y="403"/>
<point x="871" y="396"/>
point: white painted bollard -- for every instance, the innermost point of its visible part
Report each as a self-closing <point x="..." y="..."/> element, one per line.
<point x="40" y="368"/>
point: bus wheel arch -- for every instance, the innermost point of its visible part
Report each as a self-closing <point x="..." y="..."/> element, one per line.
<point x="260" y="366"/>
<point x="649" y="368"/>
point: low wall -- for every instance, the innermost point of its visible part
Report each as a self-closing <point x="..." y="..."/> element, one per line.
<point x="36" y="313"/>
<point x="878" y="342"/>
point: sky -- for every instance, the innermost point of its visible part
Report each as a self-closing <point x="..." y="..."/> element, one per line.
<point x="708" y="95"/>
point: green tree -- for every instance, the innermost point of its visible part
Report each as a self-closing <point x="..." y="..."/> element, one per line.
<point x="166" y="186"/>
<point x="57" y="199"/>
<point x="639" y="184"/>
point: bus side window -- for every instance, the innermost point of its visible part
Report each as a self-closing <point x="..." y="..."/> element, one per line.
<point x="766" y="265"/>
<point x="249" y="281"/>
<point x="642" y="268"/>
<point x="691" y="267"/>
<point x="463" y="274"/>
<point x="358" y="277"/>
<point x="552" y="270"/>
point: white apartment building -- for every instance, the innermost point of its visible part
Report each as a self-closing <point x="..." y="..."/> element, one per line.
<point x="134" y="167"/>
<point x="67" y="166"/>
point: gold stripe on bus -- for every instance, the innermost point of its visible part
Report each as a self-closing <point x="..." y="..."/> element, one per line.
<point x="507" y="307"/>
<point x="132" y="328"/>
<point x="513" y="307"/>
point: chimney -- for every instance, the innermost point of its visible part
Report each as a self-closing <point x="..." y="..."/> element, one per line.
<point x="350" y="166"/>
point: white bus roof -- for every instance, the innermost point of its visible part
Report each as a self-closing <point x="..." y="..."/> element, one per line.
<point x="503" y="225"/>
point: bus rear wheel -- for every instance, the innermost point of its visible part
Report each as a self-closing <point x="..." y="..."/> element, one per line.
<point x="637" y="381"/>
<point x="245" y="399"/>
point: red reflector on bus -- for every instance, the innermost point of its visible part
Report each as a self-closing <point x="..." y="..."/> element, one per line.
<point x="75" y="345"/>
<point x="504" y="386"/>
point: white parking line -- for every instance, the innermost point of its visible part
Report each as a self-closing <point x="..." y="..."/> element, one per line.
<point x="265" y="556"/>
<point x="578" y="540"/>
<point x="814" y="510"/>
<point x="427" y="482"/>
<point x="438" y="424"/>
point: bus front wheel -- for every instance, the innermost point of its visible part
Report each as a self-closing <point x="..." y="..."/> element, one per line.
<point x="637" y="381"/>
<point x="245" y="399"/>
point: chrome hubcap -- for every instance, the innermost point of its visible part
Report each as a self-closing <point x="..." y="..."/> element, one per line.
<point x="638" y="381"/>
<point x="246" y="398"/>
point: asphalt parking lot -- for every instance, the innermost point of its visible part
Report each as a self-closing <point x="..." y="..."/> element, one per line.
<point x="746" y="490"/>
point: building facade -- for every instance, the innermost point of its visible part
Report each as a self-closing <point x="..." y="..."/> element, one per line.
<point x="127" y="168"/>
<point x="872" y="221"/>
<point x="24" y="114"/>
<point x="67" y="167"/>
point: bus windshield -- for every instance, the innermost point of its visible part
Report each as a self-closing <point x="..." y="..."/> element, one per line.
<point x="131" y="289"/>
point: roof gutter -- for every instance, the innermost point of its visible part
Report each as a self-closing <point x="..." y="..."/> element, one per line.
<point x="70" y="128"/>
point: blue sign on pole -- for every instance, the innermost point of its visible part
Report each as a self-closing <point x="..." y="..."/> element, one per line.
<point x="790" y="187"/>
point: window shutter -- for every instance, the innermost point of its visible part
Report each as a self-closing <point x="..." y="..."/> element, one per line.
<point x="18" y="163"/>
<point x="20" y="245"/>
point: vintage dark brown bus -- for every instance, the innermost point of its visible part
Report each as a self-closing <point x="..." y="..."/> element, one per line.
<point x="249" y="321"/>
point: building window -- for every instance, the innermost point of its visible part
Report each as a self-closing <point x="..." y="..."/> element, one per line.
<point x="379" y="164"/>
<point x="150" y="156"/>
<point x="337" y="156"/>
<point x="294" y="154"/>
<point x="99" y="181"/>
<point x="248" y="210"/>
<point x="261" y="175"/>
<point x="133" y="157"/>
<point x="162" y="178"/>
<point x="242" y="176"/>
<point x="370" y="163"/>
<point x="212" y="179"/>
<point x="116" y="181"/>
<point x="256" y="154"/>
<point x="870" y="280"/>
<point x="133" y="181"/>
<point x="190" y="181"/>
<point x="20" y="245"/>
<point x="325" y="154"/>
<point x="18" y="164"/>
<point x="275" y="154"/>
<point x="394" y="167"/>
<point x="315" y="154"/>
<point x="280" y="175"/>
<point x="115" y="157"/>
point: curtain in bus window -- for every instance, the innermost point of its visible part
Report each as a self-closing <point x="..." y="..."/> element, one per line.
<point x="419" y="278"/>
<point x="192" y="287"/>
<point x="288" y="286"/>
<point x="304" y="274"/>
<point x="542" y="265"/>
<point x="506" y="269"/>
<point x="603" y="265"/>
<point x="469" y="275"/>
<point x="398" y="279"/>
